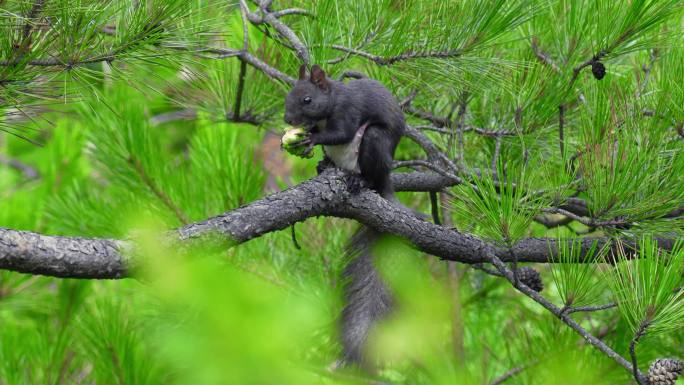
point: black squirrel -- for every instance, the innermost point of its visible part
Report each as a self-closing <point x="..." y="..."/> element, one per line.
<point x="359" y="125"/>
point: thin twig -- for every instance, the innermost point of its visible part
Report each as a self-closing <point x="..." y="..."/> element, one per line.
<point x="389" y="60"/>
<point x="293" y="233"/>
<point x="243" y="64"/>
<point x="434" y="206"/>
<point x="408" y="99"/>
<point x="184" y="114"/>
<point x="346" y="55"/>
<point x="269" y="17"/>
<point x="592" y="340"/>
<point x="460" y="124"/>
<point x="430" y="148"/>
<point x="543" y="56"/>
<point x="165" y="199"/>
<point x="495" y="158"/>
<point x="550" y="223"/>
<point x="653" y="56"/>
<point x="264" y="3"/>
<point x="489" y="133"/>
<point x="291" y="11"/>
<point x="434" y="119"/>
<point x="269" y="71"/>
<point x="33" y="13"/>
<point x="435" y="129"/>
<point x="24" y="46"/>
<point x="590" y="222"/>
<point x="424" y="163"/>
<point x="514" y="264"/>
<point x="245" y="29"/>
<point x="590" y="308"/>
<point x="561" y="127"/>
<point x="68" y="357"/>
<point x="118" y="370"/>
<point x="28" y="171"/>
<point x="506" y="376"/>
<point x="476" y="130"/>
<point x="576" y="71"/>
<point x="638" y="377"/>
<point x="220" y="53"/>
<point x="191" y="114"/>
<point x="488" y="270"/>
<point x="345" y="376"/>
<point x="440" y="122"/>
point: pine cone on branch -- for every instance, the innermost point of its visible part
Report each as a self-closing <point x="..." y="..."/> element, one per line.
<point x="531" y="278"/>
<point x="598" y="70"/>
<point x="665" y="371"/>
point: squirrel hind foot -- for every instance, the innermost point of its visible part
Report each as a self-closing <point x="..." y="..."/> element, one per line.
<point x="355" y="183"/>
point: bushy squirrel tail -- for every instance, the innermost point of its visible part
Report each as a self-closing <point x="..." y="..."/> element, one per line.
<point x="367" y="298"/>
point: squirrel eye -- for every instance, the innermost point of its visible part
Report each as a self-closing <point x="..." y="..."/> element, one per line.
<point x="307" y="99"/>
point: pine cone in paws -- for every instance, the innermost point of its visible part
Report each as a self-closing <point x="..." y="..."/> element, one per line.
<point x="531" y="278"/>
<point x="664" y="371"/>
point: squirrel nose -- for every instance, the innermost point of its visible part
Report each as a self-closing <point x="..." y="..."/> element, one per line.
<point x="289" y="119"/>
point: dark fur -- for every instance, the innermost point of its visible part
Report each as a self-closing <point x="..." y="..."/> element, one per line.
<point x="366" y="297"/>
<point x="344" y="108"/>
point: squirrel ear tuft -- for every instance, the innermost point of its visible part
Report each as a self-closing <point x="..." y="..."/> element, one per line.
<point x="318" y="77"/>
<point x="302" y="72"/>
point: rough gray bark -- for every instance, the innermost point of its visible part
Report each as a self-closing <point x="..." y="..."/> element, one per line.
<point x="324" y="195"/>
<point x="68" y="257"/>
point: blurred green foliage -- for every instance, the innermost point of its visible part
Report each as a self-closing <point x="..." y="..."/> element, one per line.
<point x="265" y="312"/>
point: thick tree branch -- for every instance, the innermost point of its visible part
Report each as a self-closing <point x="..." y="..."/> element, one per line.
<point x="324" y="195"/>
<point x="420" y="181"/>
<point x="70" y="257"/>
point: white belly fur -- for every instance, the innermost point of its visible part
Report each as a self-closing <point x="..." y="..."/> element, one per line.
<point x="344" y="156"/>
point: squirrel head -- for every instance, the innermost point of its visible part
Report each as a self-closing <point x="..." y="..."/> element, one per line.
<point x="310" y="99"/>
